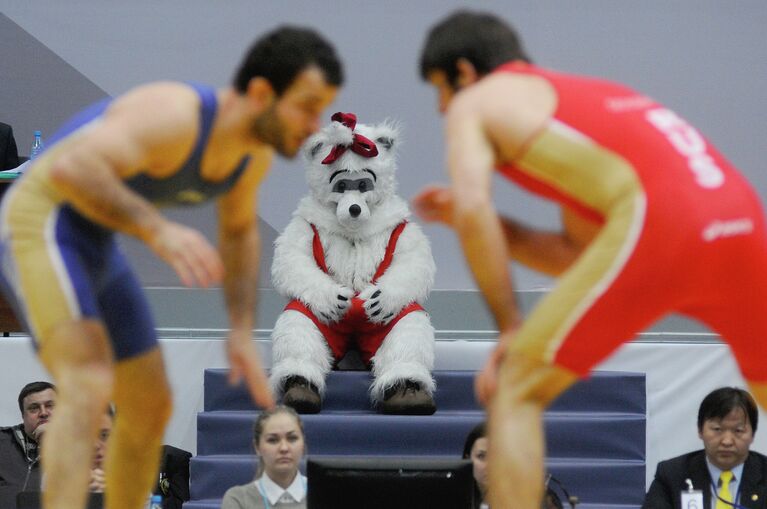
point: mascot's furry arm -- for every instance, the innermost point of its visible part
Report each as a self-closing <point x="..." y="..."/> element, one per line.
<point x="296" y="275"/>
<point x="408" y="279"/>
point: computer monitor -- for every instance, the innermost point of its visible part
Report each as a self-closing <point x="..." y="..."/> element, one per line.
<point x="348" y="482"/>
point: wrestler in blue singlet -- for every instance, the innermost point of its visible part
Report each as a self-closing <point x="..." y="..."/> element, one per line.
<point x="85" y="275"/>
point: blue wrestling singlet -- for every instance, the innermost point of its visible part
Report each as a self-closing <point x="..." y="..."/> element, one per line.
<point x="58" y="266"/>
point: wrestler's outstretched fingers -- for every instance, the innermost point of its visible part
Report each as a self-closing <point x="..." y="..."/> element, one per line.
<point x="203" y="261"/>
<point x="486" y="382"/>
<point x="189" y="253"/>
<point x="434" y="204"/>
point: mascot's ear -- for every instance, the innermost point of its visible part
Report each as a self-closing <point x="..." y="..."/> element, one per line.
<point x="386" y="136"/>
<point x="315" y="148"/>
<point x="385" y="142"/>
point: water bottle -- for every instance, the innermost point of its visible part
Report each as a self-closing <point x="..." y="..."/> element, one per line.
<point x="155" y="502"/>
<point x="37" y="145"/>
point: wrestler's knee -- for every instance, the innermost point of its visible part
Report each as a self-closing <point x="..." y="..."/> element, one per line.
<point x="524" y="379"/>
<point x="79" y="357"/>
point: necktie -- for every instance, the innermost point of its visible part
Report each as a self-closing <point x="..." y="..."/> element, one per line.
<point x="724" y="490"/>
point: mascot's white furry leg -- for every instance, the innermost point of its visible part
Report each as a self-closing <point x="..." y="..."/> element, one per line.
<point x="402" y="368"/>
<point x="301" y="361"/>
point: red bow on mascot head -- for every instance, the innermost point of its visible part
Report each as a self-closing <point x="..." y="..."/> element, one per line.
<point x="360" y="145"/>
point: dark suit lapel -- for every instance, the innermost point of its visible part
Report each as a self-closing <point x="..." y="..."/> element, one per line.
<point x="752" y="489"/>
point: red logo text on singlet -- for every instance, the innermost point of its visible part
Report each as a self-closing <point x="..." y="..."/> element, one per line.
<point x="689" y="143"/>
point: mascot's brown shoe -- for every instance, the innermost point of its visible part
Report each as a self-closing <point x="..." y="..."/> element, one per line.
<point x="407" y="398"/>
<point x="301" y="395"/>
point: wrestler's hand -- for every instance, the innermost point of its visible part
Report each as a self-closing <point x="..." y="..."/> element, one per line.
<point x="434" y="204"/>
<point x="245" y="363"/>
<point x="98" y="481"/>
<point x="189" y="253"/>
<point x="486" y="382"/>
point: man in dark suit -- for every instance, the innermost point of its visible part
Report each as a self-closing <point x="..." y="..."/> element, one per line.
<point x="9" y="155"/>
<point x="727" y="421"/>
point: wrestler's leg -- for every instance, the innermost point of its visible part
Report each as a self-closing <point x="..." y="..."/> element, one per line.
<point x="79" y="357"/>
<point x="740" y="319"/>
<point x="143" y="406"/>
<point x="733" y="305"/>
<point x="601" y="302"/>
<point x="517" y="450"/>
<point x="141" y="392"/>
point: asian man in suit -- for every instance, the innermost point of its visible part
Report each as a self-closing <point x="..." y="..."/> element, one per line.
<point x="726" y="470"/>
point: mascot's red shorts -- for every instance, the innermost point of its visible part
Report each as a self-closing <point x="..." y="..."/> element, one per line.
<point x="354" y="329"/>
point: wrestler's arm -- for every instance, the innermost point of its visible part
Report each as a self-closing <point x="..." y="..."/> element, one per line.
<point x="512" y="110"/>
<point x="550" y="252"/>
<point x="239" y="245"/>
<point x="471" y="159"/>
<point x="87" y="170"/>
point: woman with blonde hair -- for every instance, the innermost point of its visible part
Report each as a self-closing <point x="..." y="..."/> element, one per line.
<point x="278" y="438"/>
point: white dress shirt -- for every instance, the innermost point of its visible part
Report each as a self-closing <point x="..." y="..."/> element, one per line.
<point x="275" y="494"/>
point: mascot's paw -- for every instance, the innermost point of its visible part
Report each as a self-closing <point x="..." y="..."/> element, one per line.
<point x="301" y="395"/>
<point x="375" y="306"/>
<point x="335" y="307"/>
<point x="406" y="397"/>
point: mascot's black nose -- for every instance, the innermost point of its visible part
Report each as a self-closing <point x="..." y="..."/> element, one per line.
<point x="355" y="210"/>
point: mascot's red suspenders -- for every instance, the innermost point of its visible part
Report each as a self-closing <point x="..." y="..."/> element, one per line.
<point x="355" y="320"/>
<point x="319" y="252"/>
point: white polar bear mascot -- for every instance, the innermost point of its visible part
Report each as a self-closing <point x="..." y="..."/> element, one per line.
<point x="357" y="272"/>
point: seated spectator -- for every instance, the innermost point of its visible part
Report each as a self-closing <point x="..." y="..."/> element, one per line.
<point x="98" y="478"/>
<point x="173" y="482"/>
<point x="278" y="438"/>
<point x="475" y="449"/>
<point x="725" y="467"/>
<point x="9" y="155"/>
<point x="19" y="445"/>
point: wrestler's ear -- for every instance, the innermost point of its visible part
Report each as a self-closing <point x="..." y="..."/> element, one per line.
<point x="260" y="90"/>
<point x="467" y="73"/>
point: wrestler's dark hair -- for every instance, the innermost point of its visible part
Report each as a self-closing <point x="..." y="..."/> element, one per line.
<point x="481" y="38"/>
<point x="282" y="54"/>
<point x="32" y="388"/>
<point x="720" y="402"/>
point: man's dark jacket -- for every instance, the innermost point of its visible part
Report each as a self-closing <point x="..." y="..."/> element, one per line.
<point x="14" y="468"/>
<point x="9" y="155"/>
<point x="665" y="490"/>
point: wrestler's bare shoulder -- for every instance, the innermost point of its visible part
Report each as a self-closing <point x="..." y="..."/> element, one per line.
<point x="163" y="101"/>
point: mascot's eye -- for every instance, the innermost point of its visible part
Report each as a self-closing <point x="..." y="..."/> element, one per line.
<point x="365" y="185"/>
<point x="340" y="186"/>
